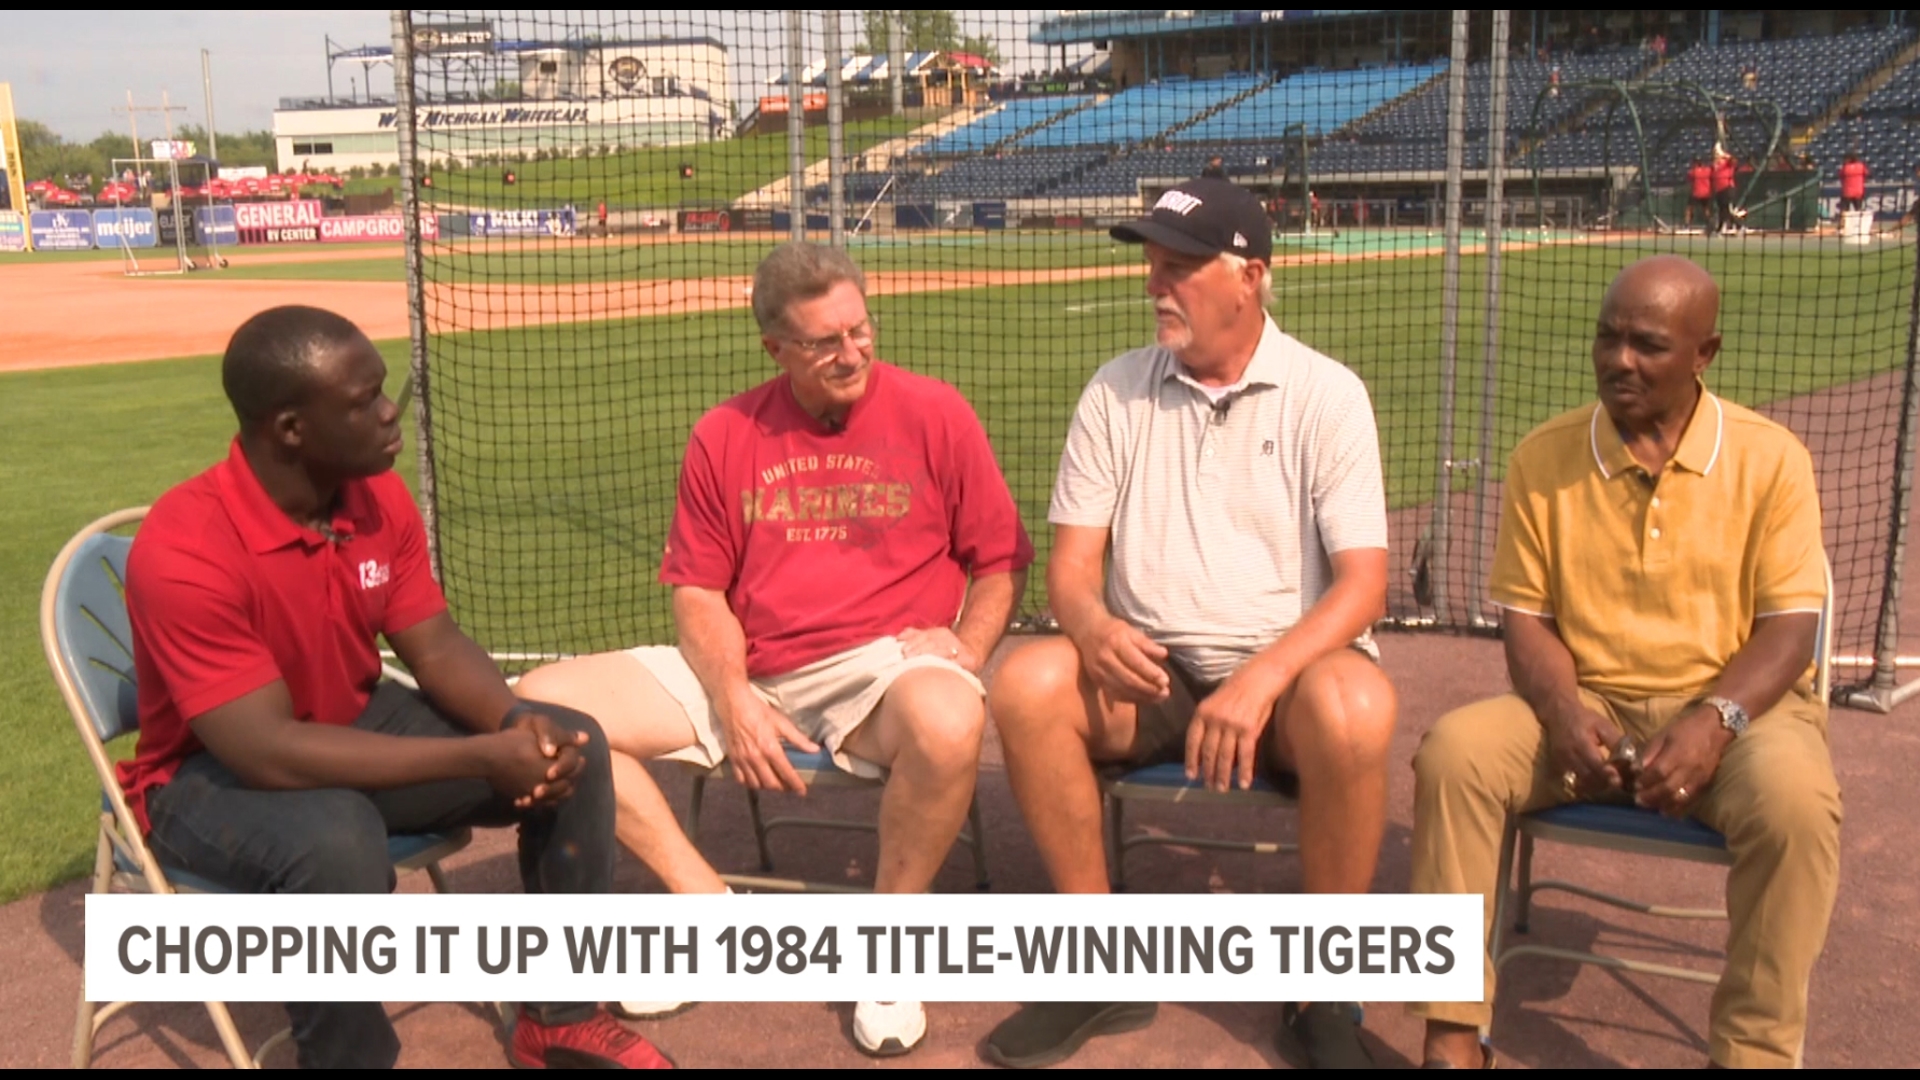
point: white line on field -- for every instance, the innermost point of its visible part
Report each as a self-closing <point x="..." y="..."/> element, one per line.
<point x="1080" y="309"/>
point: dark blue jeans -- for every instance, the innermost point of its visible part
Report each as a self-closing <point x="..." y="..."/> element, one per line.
<point x="335" y="841"/>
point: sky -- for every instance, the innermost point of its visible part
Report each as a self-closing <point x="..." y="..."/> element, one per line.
<point x="72" y="71"/>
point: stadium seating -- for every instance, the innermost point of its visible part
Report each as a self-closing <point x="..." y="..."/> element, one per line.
<point x="1009" y="119"/>
<point x="1141" y="113"/>
<point x="1393" y="120"/>
<point x="1884" y="130"/>
<point x="1321" y="100"/>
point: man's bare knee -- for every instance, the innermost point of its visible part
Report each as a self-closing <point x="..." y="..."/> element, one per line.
<point x="1344" y="706"/>
<point x="1037" y="687"/>
<point x="939" y="718"/>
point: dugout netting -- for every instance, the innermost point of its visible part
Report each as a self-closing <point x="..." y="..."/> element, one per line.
<point x="599" y="187"/>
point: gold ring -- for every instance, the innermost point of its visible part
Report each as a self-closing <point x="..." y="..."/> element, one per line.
<point x="1680" y="793"/>
<point x="1570" y="781"/>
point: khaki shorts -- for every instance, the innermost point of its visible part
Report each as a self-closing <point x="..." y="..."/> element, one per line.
<point x="826" y="700"/>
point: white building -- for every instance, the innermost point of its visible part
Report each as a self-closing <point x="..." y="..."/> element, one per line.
<point x="568" y="97"/>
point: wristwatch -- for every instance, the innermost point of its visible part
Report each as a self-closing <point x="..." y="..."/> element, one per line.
<point x="1733" y="716"/>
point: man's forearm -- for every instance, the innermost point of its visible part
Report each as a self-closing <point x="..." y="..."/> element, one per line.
<point x="1345" y="611"/>
<point x="1770" y="662"/>
<point x="455" y="672"/>
<point x="1076" y="595"/>
<point x="1540" y="665"/>
<point x="292" y="756"/>
<point x="990" y="602"/>
<point x="712" y="641"/>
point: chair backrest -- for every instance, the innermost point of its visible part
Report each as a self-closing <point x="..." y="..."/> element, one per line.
<point x="88" y="638"/>
<point x="91" y="636"/>
<point x="1823" y="642"/>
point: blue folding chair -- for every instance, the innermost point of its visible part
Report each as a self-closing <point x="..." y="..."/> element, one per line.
<point x="1631" y="829"/>
<point x="89" y="645"/>
<point x="816" y="770"/>
<point x="1168" y="783"/>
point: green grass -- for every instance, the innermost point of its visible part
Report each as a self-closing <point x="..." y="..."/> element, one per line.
<point x="78" y="443"/>
<point x="558" y="446"/>
<point x="723" y="171"/>
<point x="564" y="262"/>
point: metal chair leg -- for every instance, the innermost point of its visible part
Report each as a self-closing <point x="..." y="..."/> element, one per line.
<point x="1503" y="894"/>
<point x="1525" y="917"/>
<point x="977" y="841"/>
<point x="230" y="1036"/>
<point x="759" y="831"/>
<point x="83" y="1020"/>
<point x="697" y="797"/>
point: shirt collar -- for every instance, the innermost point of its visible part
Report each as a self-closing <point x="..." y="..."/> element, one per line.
<point x="263" y="525"/>
<point x="1268" y="367"/>
<point x="1699" y="446"/>
<point x="858" y="408"/>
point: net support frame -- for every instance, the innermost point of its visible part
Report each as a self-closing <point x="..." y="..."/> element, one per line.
<point x="1885" y="693"/>
<point x="417" y="369"/>
<point x="1482" y="463"/>
<point x="1450" y="315"/>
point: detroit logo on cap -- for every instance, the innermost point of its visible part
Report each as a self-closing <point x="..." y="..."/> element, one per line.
<point x="1179" y="202"/>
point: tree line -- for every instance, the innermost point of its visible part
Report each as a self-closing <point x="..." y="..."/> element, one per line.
<point x="46" y="155"/>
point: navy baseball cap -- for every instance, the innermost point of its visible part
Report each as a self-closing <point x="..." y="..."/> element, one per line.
<point x="1204" y="217"/>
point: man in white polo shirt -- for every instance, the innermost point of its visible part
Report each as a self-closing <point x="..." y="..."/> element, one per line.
<point x="1219" y="558"/>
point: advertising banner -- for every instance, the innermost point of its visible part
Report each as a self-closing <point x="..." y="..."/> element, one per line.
<point x="1888" y="201"/>
<point x="130" y="228"/>
<point x="706" y="221"/>
<point x="215" y="225"/>
<point x="61" y="230"/>
<point x="809" y="102"/>
<point x="388" y="228"/>
<point x="13" y="231"/>
<point x="293" y="222"/>
<point x="990" y="215"/>
<point x="524" y="222"/>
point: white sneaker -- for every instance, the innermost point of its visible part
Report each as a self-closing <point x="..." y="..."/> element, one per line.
<point x="888" y="1028"/>
<point x="648" y="1010"/>
<point x="651" y="1010"/>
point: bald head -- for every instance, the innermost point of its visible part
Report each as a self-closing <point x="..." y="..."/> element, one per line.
<point x="1654" y="338"/>
<point x="1676" y="286"/>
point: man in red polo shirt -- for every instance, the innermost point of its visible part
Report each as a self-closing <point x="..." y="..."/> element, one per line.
<point x="1700" y="191"/>
<point x="1853" y="183"/>
<point x="271" y="757"/>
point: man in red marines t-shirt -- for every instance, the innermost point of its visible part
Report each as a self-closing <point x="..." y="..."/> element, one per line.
<point x="271" y="758"/>
<point x="844" y="555"/>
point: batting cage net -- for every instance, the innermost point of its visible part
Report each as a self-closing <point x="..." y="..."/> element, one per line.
<point x="594" y="190"/>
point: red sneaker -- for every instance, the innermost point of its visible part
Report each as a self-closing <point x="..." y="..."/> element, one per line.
<point x="599" y="1043"/>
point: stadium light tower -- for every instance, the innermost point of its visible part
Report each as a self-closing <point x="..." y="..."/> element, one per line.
<point x="206" y="87"/>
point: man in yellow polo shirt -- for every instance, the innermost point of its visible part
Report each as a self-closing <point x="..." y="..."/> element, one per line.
<point x="1660" y="574"/>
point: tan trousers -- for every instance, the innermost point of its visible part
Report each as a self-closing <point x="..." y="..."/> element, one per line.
<point x="1774" y="797"/>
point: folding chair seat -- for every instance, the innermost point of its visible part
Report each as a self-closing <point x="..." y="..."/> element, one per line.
<point x="1168" y="783"/>
<point x="817" y="771"/>
<point x="1631" y="829"/>
<point x="88" y="640"/>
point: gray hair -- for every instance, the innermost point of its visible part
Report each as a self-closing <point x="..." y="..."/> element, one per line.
<point x="797" y="271"/>
<point x="1237" y="263"/>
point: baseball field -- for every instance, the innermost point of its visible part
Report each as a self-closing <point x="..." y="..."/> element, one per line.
<point x="567" y="373"/>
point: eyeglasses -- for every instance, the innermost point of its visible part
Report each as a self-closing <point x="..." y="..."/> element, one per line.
<point x="861" y="336"/>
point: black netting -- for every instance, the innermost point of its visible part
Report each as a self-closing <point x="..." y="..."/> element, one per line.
<point x="604" y="183"/>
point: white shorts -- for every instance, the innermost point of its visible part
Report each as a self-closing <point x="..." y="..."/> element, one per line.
<point x="826" y="699"/>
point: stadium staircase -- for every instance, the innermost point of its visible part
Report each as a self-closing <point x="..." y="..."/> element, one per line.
<point x="779" y="193"/>
<point x="1354" y="125"/>
<point x="1857" y="96"/>
<point x="1212" y="110"/>
<point x="1007" y="143"/>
